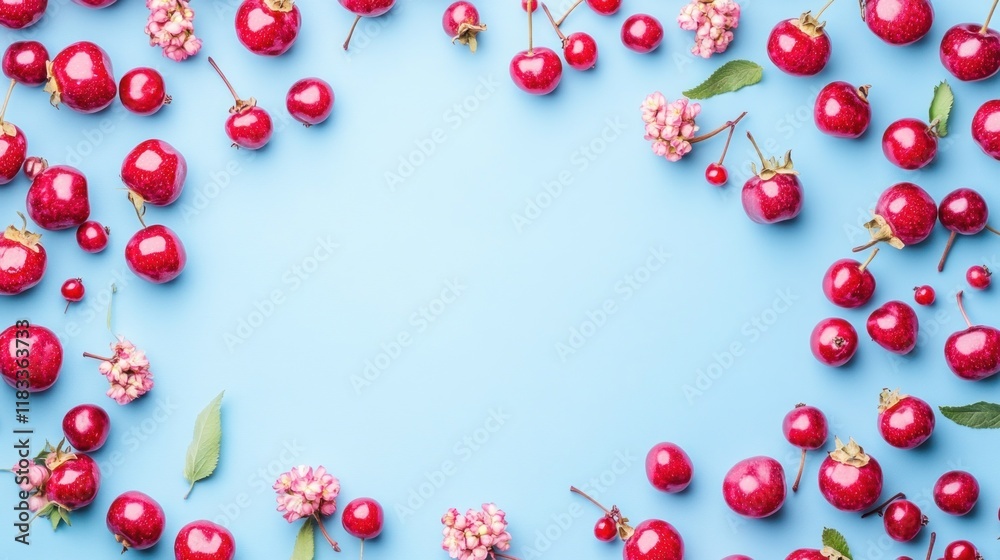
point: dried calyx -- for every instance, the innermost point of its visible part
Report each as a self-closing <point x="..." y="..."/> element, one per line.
<point x="810" y="24"/>
<point x="770" y="167"/>
<point x="849" y="454"/>
<point x="880" y="230"/>
<point x="52" y="457"/>
<point x="22" y="235"/>
<point x="889" y="399"/>
<point x="51" y="87"/>
<point x="280" y="5"/>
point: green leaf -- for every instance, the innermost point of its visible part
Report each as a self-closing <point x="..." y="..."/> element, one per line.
<point x="978" y="415"/>
<point x="941" y="107"/>
<point x="203" y="453"/>
<point x="305" y="542"/>
<point x="731" y="76"/>
<point x="833" y="539"/>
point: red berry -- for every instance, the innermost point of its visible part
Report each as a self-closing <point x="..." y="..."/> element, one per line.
<point x="962" y="550"/>
<point x="154" y="172"/>
<point x="363" y="518"/>
<point x="904" y="421"/>
<point x="72" y="290"/>
<point x="903" y="520"/>
<point x="923" y="295"/>
<point x="86" y="427"/>
<point x="156" y="254"/>
<point x="642" y="33"/>
<point x="33" y="165"/>
<point x="248" y="125"/>
<point x="136" y="520"/>
<point x="268" y="27"/>
<point x="833" y="341"/>
<point x="716" y="174"/>
<point x="204" y="540"/>
<point x="44" y="349"/>
<point x="894" y="326"/>
<point x="755" y="487"/>
<point x="74" y="482"/>
<point x="605" y="7"/>
<point x="142" y="91"/>
<point x="92" y="237"/>
<point x="805" y="427"/>
<point x="842" y="110"/>
<point x="909" y="143"/>
<point x="605" y="529"/>
<point x="668" y="468"/>
<point x="461" y="23"/>
<point x="654" y="539"/>
<point x="534" y="5"/>
<point x="800" y="46"/>
<point x="580" y="51"/>
<point x="18" y="15"/>
<point x="310" y="101"/>
<point x="58" y="198"/>
<point x="956" y="492"/>
<point x="978" y="276"/>
<point x="24" y="61"/>
<point x="81" y="78"/>
<point x="22" y="259"/>
<point x="537" y="72"/>
<point x="849" y="478"/>
<point x="849" y="283"/>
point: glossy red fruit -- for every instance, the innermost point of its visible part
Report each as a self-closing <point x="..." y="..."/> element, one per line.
<point x="894" y="326"/>
<point x="904" y="215"/>
<point x="72" y="291"/>
<point x="97" y="4"/>
<point x="24" y="61"/>
<point x="74" y="482"/>
<point x="365" y="8"/>
<point x="92" y="237"/>
<point x="904" y="421"/>
<point x="956" y="492"/>
<point x="154" y="173"/>
<point x="899" y="22"/>
<point x="363" y="518"/>
<point x="22" y="259"/>
<point x="136" y="520"/>
<point x="849" y="283"/>
<point x="534" y="5"/>
<point x="57" y="198"/>
<point x="961" y="550"/>
<point x="642" y="33"/>
<point x="86" y="427"/>
<point x="537" y="71"/>
<point x="842" y="110"/>
<point x="805" y="427"/>
<point x="654" y="539"/>
<point x="716" y="174"/>
<point x="268" y="27"/>
<point x="668" y="467"/>
<point x="605" y="530"/>
<point x="774" y="194"/>
<point x="849" y="478"/>
<point x="310" y="101"/>
<point x="755" y="487"/>
<point x="974" y="353"/>
<point x="986" y="128"/>
<point x="18" y="14"/>
<point x="737" y="557"/>
<point x="924" y="295"/>
<point x="978" y="276"/>
<point x="42" y="350"/>
<point x="81" y="78"/>
<point x="833" y="341"/>
<point x="33" y="165"/>
<point x="970" y="51"/>
<point x="580" y="51"/>
<point x="909" y="143"/>
<point x="605" y="7"/>
<point x="962" y="211"/>
<point x="461" y="22"/>
<point x="805" y="554"/>
<point x="248" y="125"/>
<point x="801" y="46"/>
<point x="13" y="144"/>
<point x="903" y="520"/>
<point x="204" y="540"/>
<point x="155" y="253"/>
<point x="142" y="91"/>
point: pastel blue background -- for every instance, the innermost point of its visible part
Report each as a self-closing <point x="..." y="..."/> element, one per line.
<point x="254" y="225"/>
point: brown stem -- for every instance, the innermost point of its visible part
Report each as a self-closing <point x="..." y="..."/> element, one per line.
<point x="961" y="308"/>
<point x="224" y="79"/>
<point x="362" y="556"/>
<point x="879" y="509"/>
<point x="67" y="307"/>
<point x="350" y="33"/>
<point x="930" y="547"/>
<point x="947" y="249"/>
<point x="322" y="529"/>
<point x="861" y="4"/>
<point x="3" y="110"/>
<point x="823" y="9"/>
<point x="868" y="261"/>
<point x="798" y="477"/>
<point x="986" y="26"/>
<point x="559" y="32"/>
<point x="860" y="248"/>
<point x="570" y="10"/>
<point x="576" y="490"/>
<point x="531" y="44"/>
<point x="992" y="229"/>
<point x="754" y="142"/>
<point x="96" y="357"/>
<point x="731" y="125"/>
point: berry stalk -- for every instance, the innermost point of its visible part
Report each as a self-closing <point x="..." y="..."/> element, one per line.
<point x="947" y="250"/>
<point x="930" y="547"/>
<point x="3" y="110"/>
<point x="823" y="9"/>
<point x="224" y="79"/>
<point x="961" y="307"/>
<point x="731" y="125"/>
<point x="986" y="26"/>
<point x="562" y="37"/>
<point x="568" y="12"/>
<point x="880" y="509"/>
<point x="798" y="477"/>
<point x="350" y="33"/>
<point x="868" y="261"/>
<point x="531" y="45"/>
<point x="322" y="529"/>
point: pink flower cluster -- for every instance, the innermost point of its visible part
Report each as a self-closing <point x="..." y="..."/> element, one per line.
<point x="670" y="126"/>
<point x="128" y="372"/>
<point x="713" y="22"/>
<point x="475" y="535"/>
<point x="303" y="492"/>
<point x="171" y="26"/>
<point x="32" y="479"/>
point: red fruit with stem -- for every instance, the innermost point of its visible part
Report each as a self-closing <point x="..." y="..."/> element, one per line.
<point x="973" y="353"/>
<point x="843" y="110"/>
<point x="898" y="22"/>
<point x="833" y="341"/>
<point x="22" y="259"/>
<point x="579" y="49"/>
<point x="904" y="421"/>
<point x="716" y="173"/>
<point x="72" y="291"/>
<point x="204" y="540"/>
<point x="805" y="554"/>
<point x="526" y="3"/>
<point x="961" y="550"/>
<point x="910" y="143"/>
<point x="653" y="539"/>
<point x="800" y="46"/>
<point x="978" y="276"/>
<point x="154" y="173"/>
<point x="971" y="51"/>
<point x="86" y="427"/>
<point x="364" y="8"/>
<point x="92" y="237"/>
<point x="605" y="530"/>
<point x="268" y="27"/>
<point x="13" y="144"/>
<point x="923" y="295"/>
<point x="774" y="194"/>
<point x="849" y="283"/>
<point x="155" y="254"/>
<point x="24" y="61"/>
<point x="248" y="125"/>
<point x="363" y="518"/>
<point x="33" y="165"/>
<point x="849" y="478"/>
<point x="642" y="33"/>
<point x="737" y="557"/>
<point x="901" y="518"/>
<point x="904" y="215"/>
<point x="310" y="101"/>
<point x="894" y="326"/>
<point x="755" y="487"/>
<point x="96" y="4"/>
<point x="962" y="211"/>
<point x="136" y="520"/>
<point x="74" y="481"/>
<point x="57" y="198"/>
<point x="461" y="23"/>
<point x="537" y="70"/>
<point x="805" y="427"/>
<point x="986" y="128"/>
<point x="31" y="348"/>
<point x="81" y="77"/>
<point x="956" y="492"/>
<point x="602" y="7"/>
<point x="142" y="91"/>
<point x="18" y="14"/>
<point x="668" y="468"/>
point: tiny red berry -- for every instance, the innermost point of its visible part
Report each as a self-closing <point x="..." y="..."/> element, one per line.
<point x="716" y="174"/>
<point x="978" y="277"/>
<point x="923" y="295"/>
<point x="534" y="5"/>
<point x="605" y="529"/>
<point x="72" y="289"/>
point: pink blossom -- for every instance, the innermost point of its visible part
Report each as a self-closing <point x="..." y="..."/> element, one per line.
<point x="303" y="492"/>
<point x="669" y="126"/>
<point x="36" y="502"/>
<point x="127" y="372"/>
<point x="475" y="535"/>
<point x="31" y="478"/>
<point x="171" y="26"/>
<point x="713" y="22"/>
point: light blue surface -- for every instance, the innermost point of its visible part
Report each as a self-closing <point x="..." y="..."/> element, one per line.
<point x="256" y="225"/>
